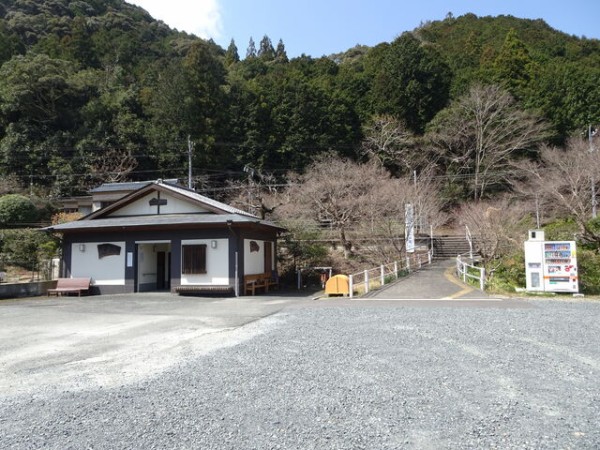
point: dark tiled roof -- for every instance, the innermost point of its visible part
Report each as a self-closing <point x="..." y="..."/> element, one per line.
<point x="131" y="186"/>
<point x="161" y="220"/>
<point x="192" y="195"/>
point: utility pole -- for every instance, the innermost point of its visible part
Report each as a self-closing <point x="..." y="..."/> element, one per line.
<point x="537" y="210"/>
<point x="190" y="153"/>
<point x="590" y="134"/>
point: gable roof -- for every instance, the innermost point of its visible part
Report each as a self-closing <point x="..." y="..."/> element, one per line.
<point x="216" y="213"/>
<point x="193" y="197"/>
<point x="126" y="187"/>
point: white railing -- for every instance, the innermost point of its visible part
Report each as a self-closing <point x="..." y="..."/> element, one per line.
<point x="466" y="271"/>
<point x="371" y="279"/>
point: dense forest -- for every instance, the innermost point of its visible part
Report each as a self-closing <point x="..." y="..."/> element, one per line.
<point x="97" y="90"/>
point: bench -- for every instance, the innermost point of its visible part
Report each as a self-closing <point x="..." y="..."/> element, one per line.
<point x="272" y="279"/>
<point x="254" y="282"/>
<point x="71" y="286"/>
<point x="203" y="290"/>
<point x="259" y="281"/>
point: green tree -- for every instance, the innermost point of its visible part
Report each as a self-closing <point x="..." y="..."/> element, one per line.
<point x="9" y="44"/>
<point x="280" y="53"/>
<point x="568" y="94"/>
<point x="513" y="65"/>
<point x="17" y="210"/>
<point x="26" y="248"/>
<point x="40" y="99"/>
<point x="79" y="45"/>
<point x="411" y="82"/>
<point x="231" y="55"/>
<point x="251" y="50"/>
<point x="265" y="49"/>
<point x="188" y="100"/>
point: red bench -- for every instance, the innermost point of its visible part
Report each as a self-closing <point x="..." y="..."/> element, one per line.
<point x="71" y="286"/>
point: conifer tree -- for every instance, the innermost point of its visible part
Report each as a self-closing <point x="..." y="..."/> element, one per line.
<point x="513" y="64"/>
<point x="231" y="55"/>
<point x="266" y="50"/>
<point x="251" y="52"/>
<point x="280" y="53"/>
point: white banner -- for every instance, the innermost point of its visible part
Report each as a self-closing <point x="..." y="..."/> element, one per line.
<point x="409" y="228"/>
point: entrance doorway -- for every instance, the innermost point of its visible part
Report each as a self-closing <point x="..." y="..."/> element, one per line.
<point x="163" y="271"/>
<point x="153" y="266"/>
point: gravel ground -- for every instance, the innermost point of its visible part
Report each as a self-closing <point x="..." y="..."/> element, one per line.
<point x="373" y="377"/>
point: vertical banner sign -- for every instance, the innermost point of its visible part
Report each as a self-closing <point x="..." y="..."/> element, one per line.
<point x="409" y="228"/>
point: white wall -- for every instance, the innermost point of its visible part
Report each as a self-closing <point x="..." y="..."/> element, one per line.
<point x="254" y="262"/>
<point x="174" y="206"/>
<point x="109" y="270"/>
<point x="146" y="264"/>
<point x="217" y="264"/>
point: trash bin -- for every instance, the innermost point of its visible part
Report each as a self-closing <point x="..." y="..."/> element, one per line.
<point x="338" y="285"/>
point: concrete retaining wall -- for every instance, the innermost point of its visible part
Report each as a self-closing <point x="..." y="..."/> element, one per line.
<point x="17" y="290"/>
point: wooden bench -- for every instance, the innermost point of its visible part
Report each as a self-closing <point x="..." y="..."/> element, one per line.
<point x="259" y="281"/>
<point x="254" y="282"/>
<point x="203" y="290"/>
<point x="272" y="279"/>
<point x="71" y="286"/>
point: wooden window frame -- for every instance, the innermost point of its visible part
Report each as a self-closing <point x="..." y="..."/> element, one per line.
<point x="193" y="259"/>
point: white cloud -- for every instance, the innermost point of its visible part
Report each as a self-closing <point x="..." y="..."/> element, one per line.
<point x="200" y="17"/>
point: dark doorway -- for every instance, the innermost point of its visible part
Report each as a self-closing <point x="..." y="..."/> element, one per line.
<point x="161" y="266"/>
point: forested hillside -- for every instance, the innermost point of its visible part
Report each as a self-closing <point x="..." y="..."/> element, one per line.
<point x="97" y="90"/>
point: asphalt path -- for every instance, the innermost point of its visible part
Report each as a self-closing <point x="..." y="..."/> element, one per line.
<point x="435" y="281"/>
<point x="391" y="372"/>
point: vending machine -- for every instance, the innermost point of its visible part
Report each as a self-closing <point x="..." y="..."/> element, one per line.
<point x="550" y="266"/>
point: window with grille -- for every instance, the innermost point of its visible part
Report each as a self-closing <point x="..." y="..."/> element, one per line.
<point x="193" y="259"/>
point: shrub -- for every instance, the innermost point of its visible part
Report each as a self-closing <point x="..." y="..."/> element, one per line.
<point x="588" y="262"/>
<point x="509" y="275"/>
<point x="17" y="209"/>
<point x="26" y="247"/>
<point x="561" y="230"/>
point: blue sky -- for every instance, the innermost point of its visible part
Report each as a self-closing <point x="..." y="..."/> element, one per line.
<point x="322" y="27"/>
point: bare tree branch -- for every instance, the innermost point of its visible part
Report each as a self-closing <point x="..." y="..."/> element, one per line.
<point x="482" y="133"/>
<point x="562" y="181"/>
<point x="114" y="166"/>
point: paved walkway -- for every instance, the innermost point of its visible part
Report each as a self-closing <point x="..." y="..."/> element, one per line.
<point x="437" y="281"/>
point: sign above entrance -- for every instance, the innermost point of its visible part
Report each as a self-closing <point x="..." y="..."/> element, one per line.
<point x="158" y="202"/>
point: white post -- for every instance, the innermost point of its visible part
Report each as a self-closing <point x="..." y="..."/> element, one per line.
<point x="382" y="275"/>
<point x="190" y="152"/>
<point x="470" y="240"/>
<point x="237" y="276"/>
<point x="431" y="239"/>
<point x="408" y="264"/>
<point x="396" y="269"/>
<point x="351" y="286"/>
<point x="482" y="279"/>
<point x="366" y="281"/>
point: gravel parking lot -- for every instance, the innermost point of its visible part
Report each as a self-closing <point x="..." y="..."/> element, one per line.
<point x="316" y="375"/>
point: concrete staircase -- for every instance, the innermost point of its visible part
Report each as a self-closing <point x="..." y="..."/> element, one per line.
<point x="449" y="246"/>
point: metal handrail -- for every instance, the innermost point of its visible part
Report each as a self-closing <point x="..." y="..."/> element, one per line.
<point x="462" y="271"/>
<point x="376" y="277"/>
